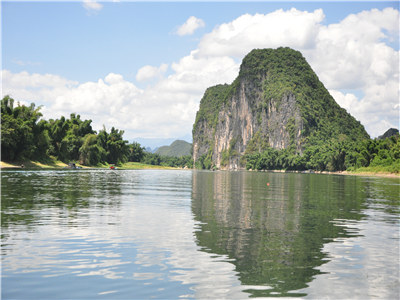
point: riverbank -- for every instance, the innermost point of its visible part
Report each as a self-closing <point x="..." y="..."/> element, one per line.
<point x="29" y="164"/>
<point x="369" y="173"/>
<point x="358" y="172"/>
<point x="56" y="164"/>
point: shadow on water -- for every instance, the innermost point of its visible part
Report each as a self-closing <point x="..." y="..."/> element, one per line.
<point x="274" y="226"/>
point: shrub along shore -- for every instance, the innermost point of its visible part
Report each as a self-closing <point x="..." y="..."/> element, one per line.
<point x="56" y="164"/>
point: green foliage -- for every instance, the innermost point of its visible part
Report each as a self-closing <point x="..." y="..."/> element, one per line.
<point x="229" y="153"/>
<point x="177" y="162"/>
<point x="25" y="136"/>
<point x="136" y="152"/>
<point x="91" y="153"/>
<point x="21" y="134"/>
<point x="205" y="161"/>
<point x="116" y="148"/>
<point x="67" y="136"/>
<point x="168" y="161"/>
<point x="378" y="154"/>
<point x="224" y="157"/>
<point x="213" y="100"/>
<point x="151" y="159"/>
<point x="334" y="155"/>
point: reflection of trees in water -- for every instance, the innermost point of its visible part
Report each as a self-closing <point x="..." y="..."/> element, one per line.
<point x="26" y="196"/>
<point x="275" y="233"/>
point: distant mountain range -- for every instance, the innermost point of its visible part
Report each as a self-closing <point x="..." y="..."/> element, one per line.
<point x="152" y="144"/>
<point x="178" y="148"/>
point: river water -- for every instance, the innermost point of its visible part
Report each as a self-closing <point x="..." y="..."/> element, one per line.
<point x="102" y="234"/>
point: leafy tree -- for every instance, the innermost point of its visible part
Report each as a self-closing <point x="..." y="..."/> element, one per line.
<point x="25" y="136"/>
<point x="136" y="152"/>
<point x="117" y="148"/>
<point x="152" y="159"/>
<point x="20" y="130"/>
<point x="91" y="153"/>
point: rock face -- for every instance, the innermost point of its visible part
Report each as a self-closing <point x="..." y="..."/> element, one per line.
<point x="276" y="101"/>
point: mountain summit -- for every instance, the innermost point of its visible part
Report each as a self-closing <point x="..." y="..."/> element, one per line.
<point x="276" y="102"/>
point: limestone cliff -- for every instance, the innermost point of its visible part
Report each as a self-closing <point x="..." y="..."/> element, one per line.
<point x="277" y="101"/>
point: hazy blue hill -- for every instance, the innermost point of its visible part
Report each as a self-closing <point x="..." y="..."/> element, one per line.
<point x="178" y="148"/>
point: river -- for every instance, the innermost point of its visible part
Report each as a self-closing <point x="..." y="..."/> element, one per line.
<point x="183" y="234"/>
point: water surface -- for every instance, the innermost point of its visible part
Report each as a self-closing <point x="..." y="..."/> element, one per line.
<point x="101" y="234"/>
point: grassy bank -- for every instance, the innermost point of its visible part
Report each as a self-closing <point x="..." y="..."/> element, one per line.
<point x="52" y="163"/>
<point x="140" y="166"/>
<point x="389" y="171"/>
<point x="30" y="164"/>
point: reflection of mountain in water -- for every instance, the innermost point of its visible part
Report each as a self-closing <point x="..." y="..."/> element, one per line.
<point x="274" y="233"/>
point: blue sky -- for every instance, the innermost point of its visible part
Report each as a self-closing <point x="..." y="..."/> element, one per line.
<point x="54" y="51"/>
<point x="64" y="38"/>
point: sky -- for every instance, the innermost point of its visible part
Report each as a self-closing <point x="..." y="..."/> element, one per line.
<point x="143" y="67"/>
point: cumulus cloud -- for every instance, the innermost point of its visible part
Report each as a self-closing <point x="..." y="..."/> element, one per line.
<point x="190" y="26"/>
<point x="92" y="6"/>
<point x="34" y="87"/>
<point x="149" y="72"/>
<point x="352" y="54"/>
<point x="293" y="28"/>
<point x="162" y="110"/>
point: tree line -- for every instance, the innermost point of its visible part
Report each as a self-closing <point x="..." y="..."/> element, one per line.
<point x="26" y="135"/>
<point x="333" y="155"/>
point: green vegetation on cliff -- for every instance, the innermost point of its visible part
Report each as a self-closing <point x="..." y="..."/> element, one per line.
<point x="285" y="71"/>
<point x="320" y="135"/>
<point x="211" y="104"/>
<point x="336" y="155"/>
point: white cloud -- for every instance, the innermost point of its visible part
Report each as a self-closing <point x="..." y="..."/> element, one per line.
<point x="162" y="110"/>
<point x="34" y="87"/>
<point x="293" y="28"/>
<point x="149" y="72"/>
<point x="92" y="6"/>
<point x="190" y="26"/>
<point x="352" y="54"/>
